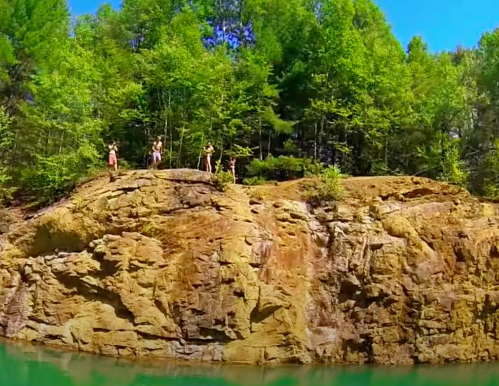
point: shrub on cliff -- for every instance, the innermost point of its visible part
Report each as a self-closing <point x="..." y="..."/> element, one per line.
<point x="222" y="179"/>
<point x="254" y="181"/>
<point x="328" y="187"/>
<point x="53" y="176"/>
<point x="282" y="168"/>
<point x="6" y="191"/>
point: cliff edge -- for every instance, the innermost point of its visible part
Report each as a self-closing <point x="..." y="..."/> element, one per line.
<point x="162" y="265"/>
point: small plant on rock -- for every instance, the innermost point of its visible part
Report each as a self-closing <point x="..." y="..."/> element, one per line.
<point x="222" y="179"/>
<point x="256" y="194"/>
<point x="328" y="188"/>
<point x="150" y="229"/>
<point x="78" y="202"/>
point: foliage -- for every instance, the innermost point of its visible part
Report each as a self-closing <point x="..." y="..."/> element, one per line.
<point x="56" y="174"/>
<point x="490" y="173"/>
<point x="239" y="152"/>
<point x="328" y="187"/>
<point x="6" y="191"/>
<point x="77" y="202"/>
<point x="256" y="194"/>
<point x="6" y="142"/>
<point x="284" y="168"/>
<point x="222" y="178"/>
<point x="123" y="164"/>
<point x="312" y="168"/>
<point x="295" y="84"/>
<point x="254" y="181"/>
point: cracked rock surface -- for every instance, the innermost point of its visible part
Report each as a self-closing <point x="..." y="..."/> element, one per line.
<point x="161" y="265"/>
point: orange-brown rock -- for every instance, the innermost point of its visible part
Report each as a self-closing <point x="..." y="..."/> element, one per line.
<point x="162" y="265"/>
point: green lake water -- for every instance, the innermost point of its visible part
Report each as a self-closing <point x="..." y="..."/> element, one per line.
<point x="27" y="365"/>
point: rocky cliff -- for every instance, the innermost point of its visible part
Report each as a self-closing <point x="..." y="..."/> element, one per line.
<point x="162" y="265"/>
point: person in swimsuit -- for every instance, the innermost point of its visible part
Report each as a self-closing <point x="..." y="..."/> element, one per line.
<point x="157" y="150"/>
<point x="208" y="152"/>
<point x="232" y="167"/>
<point x="113" y="157"/>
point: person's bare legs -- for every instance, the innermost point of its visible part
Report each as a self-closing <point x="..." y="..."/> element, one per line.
<point x="155" y="162"/>
<point x="111" y="169"/>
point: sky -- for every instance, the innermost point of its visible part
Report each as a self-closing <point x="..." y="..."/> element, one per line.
<point x="443" y="24"/>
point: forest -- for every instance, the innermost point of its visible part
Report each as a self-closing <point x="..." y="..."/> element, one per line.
<point x="284" y="85"/>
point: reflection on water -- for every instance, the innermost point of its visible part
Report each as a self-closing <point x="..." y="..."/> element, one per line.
<point x="28" y="365"/>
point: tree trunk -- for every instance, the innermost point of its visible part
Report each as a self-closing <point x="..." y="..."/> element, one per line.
<point x="269" y="143"/>
<point x="61" y="142"/>
<point x="200" y="152"/>
<point x="315" y="141"/>
<point x="171" y="130"/>
<point x="260" y="138"/>
<point x="321" y="134"/>
<point x="221" y="148"/>
<point x="165" y="132"/>
<point x="180" y="147"/>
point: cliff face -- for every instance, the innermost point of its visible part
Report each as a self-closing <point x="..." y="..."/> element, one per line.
<point x="162" y="265"/>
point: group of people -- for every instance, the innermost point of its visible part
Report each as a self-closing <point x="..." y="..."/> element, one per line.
<point x="157" y="152"/>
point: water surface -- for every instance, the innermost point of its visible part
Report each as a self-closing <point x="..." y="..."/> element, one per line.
<point x="27" y="365"/>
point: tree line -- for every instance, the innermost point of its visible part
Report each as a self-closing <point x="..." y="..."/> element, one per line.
<point x="284" y="85"/>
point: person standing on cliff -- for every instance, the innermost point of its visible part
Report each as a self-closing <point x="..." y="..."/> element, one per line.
<point x="157" y="150"/>
<point x="232" y="167"/>
<point x="208" y="152"/>
<point x="113" y="157"/>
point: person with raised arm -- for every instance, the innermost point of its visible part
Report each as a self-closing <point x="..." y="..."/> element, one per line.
<point x="208" y="152"/>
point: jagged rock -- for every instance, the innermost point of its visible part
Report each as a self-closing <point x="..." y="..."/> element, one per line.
<point x="162" y="265"/>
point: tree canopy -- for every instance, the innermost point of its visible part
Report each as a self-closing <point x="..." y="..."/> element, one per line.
<point x="286" y="83"/>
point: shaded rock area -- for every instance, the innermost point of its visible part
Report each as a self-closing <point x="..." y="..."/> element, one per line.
<point x="162" y="265"/>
